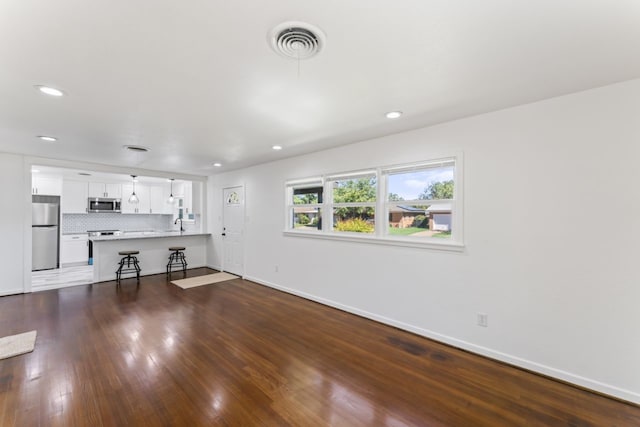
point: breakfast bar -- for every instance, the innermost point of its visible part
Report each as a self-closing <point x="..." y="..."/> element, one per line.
<point x="153" y="247"/>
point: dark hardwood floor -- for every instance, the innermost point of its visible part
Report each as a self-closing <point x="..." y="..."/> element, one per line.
<point x="239" y="354"/>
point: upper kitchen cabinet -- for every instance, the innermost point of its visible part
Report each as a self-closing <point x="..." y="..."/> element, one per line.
<point x="74" y="197"/>
<point x="192" y="199"/>
<point x="144" y="204"/>
<point x="107" y="190"/>
<point x="188" y="199"/>
<point x="44" y="185"/>
<point x="159" y="199"/>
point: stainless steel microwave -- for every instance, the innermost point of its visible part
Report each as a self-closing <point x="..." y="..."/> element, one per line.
<point x="102" y="205"/>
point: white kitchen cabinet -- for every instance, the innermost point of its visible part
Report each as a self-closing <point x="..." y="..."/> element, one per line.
<point x="74" y="249"/>
<point x="192" y="199"/>
<point x="188" y="199"/>
<point x="107" y="190"/>
<point x="152" y="199"/>
<point x="144" y="204"/>
<point x="43" y="185"/>
<point x="157" y="201"/>
<point x="168" y="206"/>
<point x="74" y="197"/>
<point x="196" y="198"/>
<point x="178" y="189"/>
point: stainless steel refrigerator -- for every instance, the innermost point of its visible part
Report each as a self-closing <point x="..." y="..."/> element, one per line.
<point x="44" y="231"/>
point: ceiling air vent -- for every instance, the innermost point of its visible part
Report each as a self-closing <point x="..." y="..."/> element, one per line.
<point x="296" y="40"/>
<point x="136" y="148"/>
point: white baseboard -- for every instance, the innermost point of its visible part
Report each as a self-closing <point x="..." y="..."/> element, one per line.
<point x="588" y="383"/>
<point x="11" y="292"/>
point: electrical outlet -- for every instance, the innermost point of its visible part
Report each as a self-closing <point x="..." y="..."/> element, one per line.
<point x="483" y="320"/>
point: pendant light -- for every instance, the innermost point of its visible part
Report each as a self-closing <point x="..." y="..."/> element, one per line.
<point x="171" y="198"/>
<point x="133" y="198"/>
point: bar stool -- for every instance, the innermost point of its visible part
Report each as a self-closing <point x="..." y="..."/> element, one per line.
<point x="128" y="259"/>
<point x="177" y="259"/>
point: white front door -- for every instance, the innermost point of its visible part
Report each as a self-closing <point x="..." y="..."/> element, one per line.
<point x="233" y="230"/>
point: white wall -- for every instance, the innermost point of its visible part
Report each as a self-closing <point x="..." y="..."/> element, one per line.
<point x="562" y="292"/>
<point x="12" y="223"/>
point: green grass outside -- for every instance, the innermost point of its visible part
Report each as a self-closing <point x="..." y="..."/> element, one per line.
<point x="405" y="231"/>
<point x="412" y="230"/>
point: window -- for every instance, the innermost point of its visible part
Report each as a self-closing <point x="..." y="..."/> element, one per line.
<point x="420" y="200"/>
<point x="304" y="205"/>
<point x="353" y="202"/>
<point x="407" y="205"/>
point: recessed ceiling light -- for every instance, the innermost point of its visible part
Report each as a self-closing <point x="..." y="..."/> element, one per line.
<point x="277" y="147"/>
<point x="393" y="114"/>
<point x="50" y="90"/>
<point x="217" y="165"/>
<point x="47" y="138"/>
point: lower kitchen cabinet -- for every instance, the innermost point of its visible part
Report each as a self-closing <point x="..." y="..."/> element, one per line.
<point x="74" y="249"/>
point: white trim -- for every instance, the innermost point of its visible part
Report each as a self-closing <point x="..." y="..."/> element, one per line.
<point x="16" y="291"/>
<point x="402" y="168"/>
<point x="457" y="224"/>
<point x="305" y="183"/>
<point x="352" y="205"/>
<point x="420" y="202"/>
<point x="27" y="245"/>
<point x="560" y="374"/>
<point x="370" y="238"/>
<point x="351" y="175"/>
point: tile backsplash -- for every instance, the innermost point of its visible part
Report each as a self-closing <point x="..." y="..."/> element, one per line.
<point x="80" y="223"/>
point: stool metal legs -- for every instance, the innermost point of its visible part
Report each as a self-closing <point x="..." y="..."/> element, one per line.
<point x="128" y="260"/>
<point x="177" y="259"/>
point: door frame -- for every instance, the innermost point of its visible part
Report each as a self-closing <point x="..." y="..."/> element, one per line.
<point x="244" y="226"/>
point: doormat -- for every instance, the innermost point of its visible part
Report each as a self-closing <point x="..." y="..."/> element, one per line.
<point x="13" y="345"/>
<point x="208" y="279"/>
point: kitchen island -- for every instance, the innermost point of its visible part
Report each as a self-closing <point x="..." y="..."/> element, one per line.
<point x="154" y="251"/>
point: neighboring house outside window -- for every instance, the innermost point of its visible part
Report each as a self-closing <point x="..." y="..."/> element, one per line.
<point x="419" y="199"/>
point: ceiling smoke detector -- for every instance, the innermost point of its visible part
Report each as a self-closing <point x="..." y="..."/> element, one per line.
<point x="296" y="40"/>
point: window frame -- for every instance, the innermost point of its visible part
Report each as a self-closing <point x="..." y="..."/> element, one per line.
<point x="331" y="205"/>
<point x="290" y="205"/>
<point x="381" y="209"/>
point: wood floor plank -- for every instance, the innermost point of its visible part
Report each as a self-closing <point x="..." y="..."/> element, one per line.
<point x="239" y="354"/>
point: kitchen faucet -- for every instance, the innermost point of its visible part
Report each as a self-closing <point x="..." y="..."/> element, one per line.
<point x="176" y="221"/>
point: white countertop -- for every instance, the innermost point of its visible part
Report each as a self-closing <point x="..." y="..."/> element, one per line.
<point x="127" y="235"/>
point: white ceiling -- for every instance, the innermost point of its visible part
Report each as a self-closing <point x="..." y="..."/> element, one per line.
<point x="197" y="82"/>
